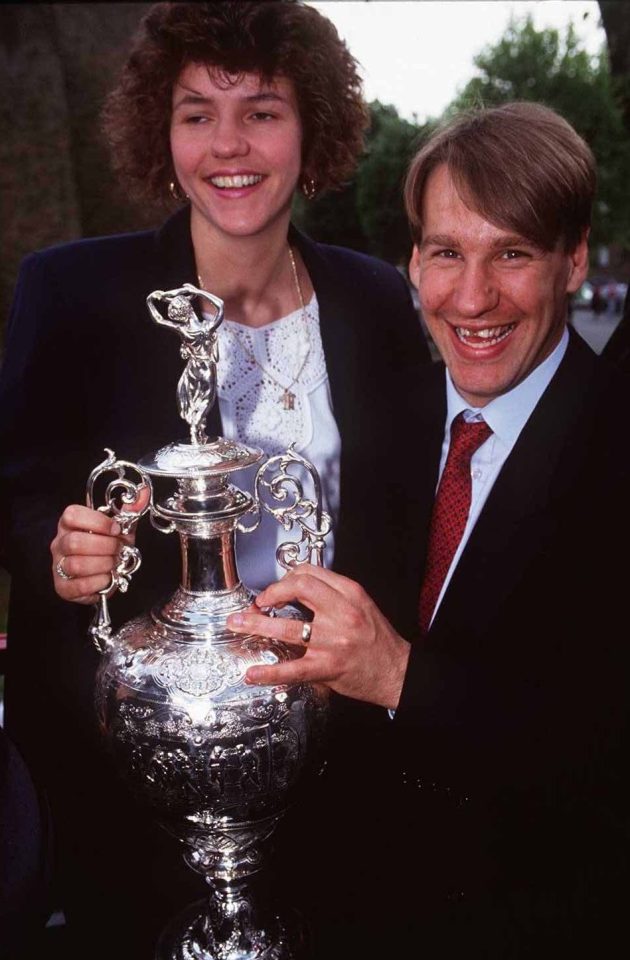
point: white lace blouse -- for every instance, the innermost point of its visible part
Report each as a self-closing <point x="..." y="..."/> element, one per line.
<point x="250" y="394"/>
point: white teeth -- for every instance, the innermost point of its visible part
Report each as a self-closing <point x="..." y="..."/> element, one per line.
<point x="489" y="335"/>
<point x="237" y="181"/>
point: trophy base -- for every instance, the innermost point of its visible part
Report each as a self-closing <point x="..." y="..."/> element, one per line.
<point x="233" y="932"/>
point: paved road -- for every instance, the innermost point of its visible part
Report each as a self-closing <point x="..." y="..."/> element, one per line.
<point x="596" y="328"/>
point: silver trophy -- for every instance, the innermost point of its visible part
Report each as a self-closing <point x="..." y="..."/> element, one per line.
<point x="218" y="760"/>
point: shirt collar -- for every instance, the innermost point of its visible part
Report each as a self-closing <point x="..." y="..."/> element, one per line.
<point x="507" y="414"/>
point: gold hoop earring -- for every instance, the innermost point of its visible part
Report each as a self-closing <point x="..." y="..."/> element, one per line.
<point x="309" y="188"/>
<point x="176" y="191"/>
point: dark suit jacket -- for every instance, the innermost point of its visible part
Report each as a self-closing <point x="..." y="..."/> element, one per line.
<point x="85" y="368"/>
<point x="513" y="717"/>
<point x="25" y="854"/>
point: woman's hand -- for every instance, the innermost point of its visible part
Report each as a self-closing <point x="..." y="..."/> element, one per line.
<point x="352" y="648"/>
<point x="85" y="549"/>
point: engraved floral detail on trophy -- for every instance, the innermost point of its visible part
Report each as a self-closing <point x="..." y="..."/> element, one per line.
<point x="131" y="712"/>
<point x="288" y="757"/>
<point x="221" y="845"/>
<point x="170" y="775"/>
<point x="184" y="604"/>
<point x="133" y="718"/>
<point x="234" y="771"/>
<point x="199" y="673"/>
<point x="265" y="710"/>
<point x="135" y="723"/>
<point x="177" y="456"/>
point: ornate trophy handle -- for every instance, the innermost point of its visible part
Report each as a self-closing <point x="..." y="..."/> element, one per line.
<point x="256" y="515"/>
<point x="118" y="493"/>
<point x="274" y="481"/>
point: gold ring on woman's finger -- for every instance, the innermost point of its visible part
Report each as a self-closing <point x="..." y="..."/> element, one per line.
<point x="306" y="631"/>
<point x="61" y="572"/>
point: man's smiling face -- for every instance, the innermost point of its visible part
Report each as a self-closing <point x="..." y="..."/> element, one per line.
<point x="495" y="303"/>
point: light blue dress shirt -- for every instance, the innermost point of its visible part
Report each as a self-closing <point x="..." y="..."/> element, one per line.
<point x="506" y="416"/>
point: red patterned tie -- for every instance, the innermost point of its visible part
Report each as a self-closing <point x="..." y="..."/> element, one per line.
<point x="450" y="510"/>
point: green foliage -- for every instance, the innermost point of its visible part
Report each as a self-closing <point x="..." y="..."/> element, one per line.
<point x="368" y="214"/>
<point x="526" y="64"/>
<point x="380" y="184"/>
<point x="332" y="218"/>
<point x="543" y="66"/>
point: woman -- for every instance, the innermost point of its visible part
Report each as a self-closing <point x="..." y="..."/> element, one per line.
<point x="230" y="107"/>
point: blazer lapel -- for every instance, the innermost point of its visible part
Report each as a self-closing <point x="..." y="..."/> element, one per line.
<point x="431" y="431"/>
<point x="520" y="512"/>
<point x="339" y="326"/>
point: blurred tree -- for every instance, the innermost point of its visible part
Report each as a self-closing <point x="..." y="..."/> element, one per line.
<point x="368" y="214"/>
<point x="616" y="24"/>
<point x="57" y="62"/>
<point x="332" y="218"/>
<point x="380" y="182"/>
<point x="542" y="65"/>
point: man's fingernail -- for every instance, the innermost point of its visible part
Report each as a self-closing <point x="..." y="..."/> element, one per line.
<point x="264" y="608"/>
<point x="115" y="529"/>
<point x="236" y="620"/>
<point x="251" y="676"/>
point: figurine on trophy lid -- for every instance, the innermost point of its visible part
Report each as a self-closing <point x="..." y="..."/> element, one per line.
<point x="217" y="759"/>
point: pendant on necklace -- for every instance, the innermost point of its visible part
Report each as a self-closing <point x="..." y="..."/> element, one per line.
<point x="287" y="400"/>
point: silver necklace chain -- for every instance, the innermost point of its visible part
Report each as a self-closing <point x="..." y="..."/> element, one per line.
<point x="287" y="399"/>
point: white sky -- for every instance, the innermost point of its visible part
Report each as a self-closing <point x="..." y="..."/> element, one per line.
<point x="417" y="54"/>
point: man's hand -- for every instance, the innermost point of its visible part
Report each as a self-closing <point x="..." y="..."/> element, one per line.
<point x="353" y="649"/>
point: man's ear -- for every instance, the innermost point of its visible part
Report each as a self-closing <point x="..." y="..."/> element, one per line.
<point x="578" y="264"/>
<point x="414" y="266"/>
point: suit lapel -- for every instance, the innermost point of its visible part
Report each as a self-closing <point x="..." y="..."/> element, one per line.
<point x="521" y="511"/>
<point x="431" y="429"/>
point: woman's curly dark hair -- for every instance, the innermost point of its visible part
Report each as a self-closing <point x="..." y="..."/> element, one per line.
<point x="269" y="37"/>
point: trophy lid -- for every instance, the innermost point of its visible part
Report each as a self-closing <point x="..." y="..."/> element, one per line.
<point x="218" y="456"/>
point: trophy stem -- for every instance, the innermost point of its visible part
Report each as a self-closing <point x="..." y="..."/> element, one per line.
<point x="205" y="512"/>
<point x="233" y="924"/>
<point x="208" y="564"/>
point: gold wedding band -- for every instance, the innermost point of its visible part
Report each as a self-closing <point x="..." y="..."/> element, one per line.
<point x="306" y="632"/>
<point x="60" y="570"/>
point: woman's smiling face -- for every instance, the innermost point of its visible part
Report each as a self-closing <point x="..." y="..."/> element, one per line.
<point x="236" y="148"/>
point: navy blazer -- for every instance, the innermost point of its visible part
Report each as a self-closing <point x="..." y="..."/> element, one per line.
<point x="85" y="369"/>
<point x="514" y="712"/>
<point x="491" y="817"/>
<point x="25" y="854"/>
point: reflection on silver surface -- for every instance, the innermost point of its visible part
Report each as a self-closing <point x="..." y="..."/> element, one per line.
<point x="217" y="760"/>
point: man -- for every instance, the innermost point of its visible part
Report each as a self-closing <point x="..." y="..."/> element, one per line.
<point x="510" y="726"/>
